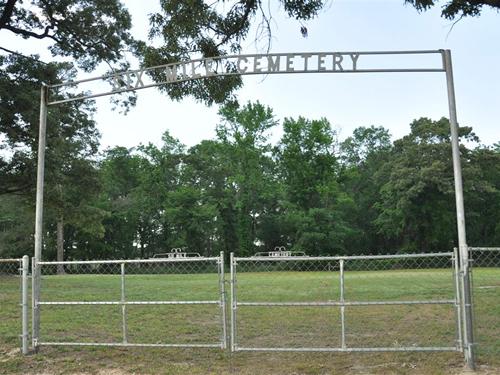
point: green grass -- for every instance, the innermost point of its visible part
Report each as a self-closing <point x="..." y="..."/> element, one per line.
<point x="393" y="326"/>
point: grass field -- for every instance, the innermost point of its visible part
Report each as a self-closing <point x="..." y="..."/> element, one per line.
<point x="367" y="326"/>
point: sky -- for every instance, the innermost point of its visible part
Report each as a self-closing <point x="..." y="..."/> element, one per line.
<point x="391" y="100"/>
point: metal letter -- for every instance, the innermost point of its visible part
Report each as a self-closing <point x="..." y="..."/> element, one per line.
<point x="321" y="62"/>
<point x="273" y="66"/>
<point x="337" y="61"/>
<point x="129" y="81"/>
<point x="289" y="63"/>
<point x="256" y="64"/>
<point x="171" y="73"/>
<point x="354" y="58"/>
<point x="306" y="57"/>
<point x="116" y="83"/>
<point x="193" y="71"/>
<point x="208" y="67"/>
<point x="138" y="76"/>
<point x="238" y="65"/>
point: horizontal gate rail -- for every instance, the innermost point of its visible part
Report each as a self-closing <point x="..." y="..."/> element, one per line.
<point x="360" y="303"/>
<point x="353" y="257"/>
<point x="352" y="350"/>
<point x="134" y="261"/>
<point x="301" y="263"/>
<point x="471" y="248"/>
<point x="159" y="267"/>
<point x="62" y="303"/>
<point x="129" y="345"/>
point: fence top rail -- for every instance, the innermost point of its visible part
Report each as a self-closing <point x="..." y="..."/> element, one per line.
<point x="484" y="248"/>
<point x="134" y="261"/>
<point x="10" y="260"/>
<point x="352" y="257"/>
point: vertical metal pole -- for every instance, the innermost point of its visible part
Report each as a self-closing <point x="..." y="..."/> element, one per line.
<point x="459" y="199"/>
<point x="222" y="290"/>
<point x="24" y="303"/>
<point x="458" y="303"/>
<point x="39" y="213"/>
<point x="233" y="301"/>
<point x="342" y="307"/>
<point x="124" y="307"/>
<point x="33" y="271"/>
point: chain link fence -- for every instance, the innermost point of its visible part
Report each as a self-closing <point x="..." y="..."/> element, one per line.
<point x="345" y="304"/>
<point x="486" y="299"/>
<point x="14" y="304"/>
<point x="280" y="301"/>
<point x="176" y="301"/>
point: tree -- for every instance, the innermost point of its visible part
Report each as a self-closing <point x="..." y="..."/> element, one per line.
<point x="456" y="8"/>
<point x="307" y="159"/>
<point x="209" y="168"/>
<point x="88" y="31"/>
<point x="72" y="139"/>
<point x="159" y="176"/>
<point x="244" y="132"/>
<point x="16" y="221"/>
<point x="417" y="204"/>
<point x="314" y="213"/>
<point x="483" y="206"/>
<point x="364" y="160"/>
<point x="195" y="28"/>
<point x="364" y="142"/>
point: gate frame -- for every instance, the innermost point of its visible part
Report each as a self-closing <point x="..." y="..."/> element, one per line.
<point x="465" y="289"/>
<point x="344" y="348"/>
<point x="217" y="261"/>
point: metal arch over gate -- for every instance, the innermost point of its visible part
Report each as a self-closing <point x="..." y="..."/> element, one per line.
<point x="279" y="63"/>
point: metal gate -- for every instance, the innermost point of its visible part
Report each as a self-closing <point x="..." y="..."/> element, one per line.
<point x="284" y="302"/>
<point x="177" y="300"/>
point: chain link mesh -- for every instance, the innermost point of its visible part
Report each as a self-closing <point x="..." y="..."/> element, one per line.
<point x="156" y="302"/>
<point x="10" y="300"/>
<point x="486" y="299"/>
<point x="298" y="304"/>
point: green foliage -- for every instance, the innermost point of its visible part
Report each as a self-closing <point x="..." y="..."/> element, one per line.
<point x="456" y="8"/>
<point x="239" y="193"/>
<point x="416" y="206"/>
<point x="16" y="222"/>
<point x="195" y="28"/>
<point x="72" y="139"/>
<point x="88" y="31"/>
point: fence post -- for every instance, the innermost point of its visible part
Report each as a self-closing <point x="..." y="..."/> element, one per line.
<point x="468" y="333"/>
<point x="24" y="303"/>
<point x="458" y="298"/>
<point x="459" y="201"/>
<point x="39" y="215"/>
<point x="222" y="300"/>
<point x="124" y="307"/>
<point x="342" y="307"/>
<point x="35" y="317"/>
<point x="233" y="302"/>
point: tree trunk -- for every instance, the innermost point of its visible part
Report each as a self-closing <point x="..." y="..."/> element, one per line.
<point x="60" y="244"/>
